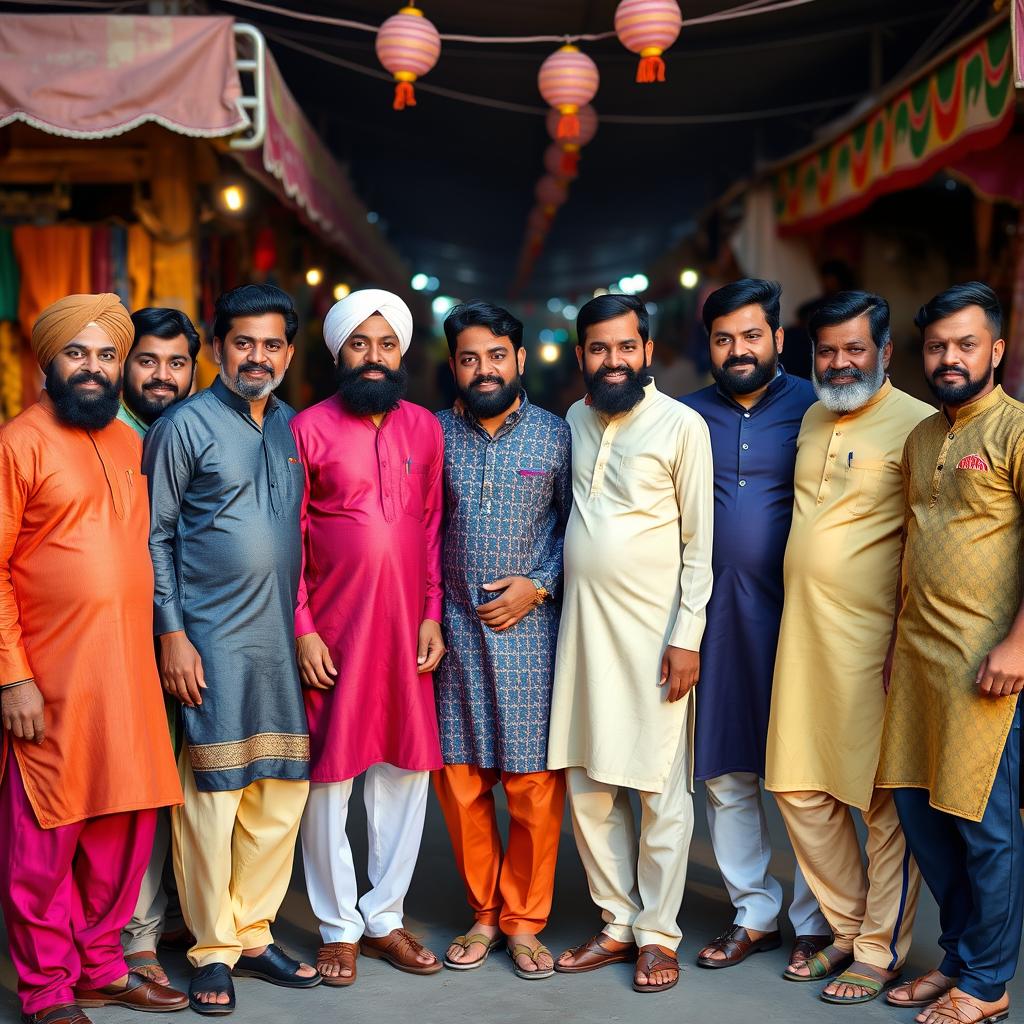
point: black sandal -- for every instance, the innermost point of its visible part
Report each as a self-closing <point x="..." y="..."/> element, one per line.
<point x="275" y="966"/>
<point x="214" y="978"/>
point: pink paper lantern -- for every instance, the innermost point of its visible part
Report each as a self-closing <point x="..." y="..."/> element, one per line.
<point x="570" y="145"/>
<point x="568" y="79"/>
<point x="560" y="164"/>
<point x="648" y="27"/>
<point x="551" y="192"/>
<point x="408" y="46"/>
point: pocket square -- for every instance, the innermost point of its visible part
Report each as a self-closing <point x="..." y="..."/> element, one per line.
<point x="532" y="472"/>
<point x="973" y="462"/>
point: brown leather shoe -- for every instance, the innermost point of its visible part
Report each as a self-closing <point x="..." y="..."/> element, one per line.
<point x="737" y="945"/>
<point x="805" y="946"/>
<point x="138" y="994"/>
<point x="65" y="1013"/>
<point x="400" y="949"/>
<point x="341" y="955"/>
<point x="593" y="955"/>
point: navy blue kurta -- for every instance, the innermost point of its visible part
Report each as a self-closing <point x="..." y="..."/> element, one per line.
<point x="754" y="452"/>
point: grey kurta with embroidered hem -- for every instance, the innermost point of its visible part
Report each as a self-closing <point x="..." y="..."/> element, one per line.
<point x="226" y="549"/>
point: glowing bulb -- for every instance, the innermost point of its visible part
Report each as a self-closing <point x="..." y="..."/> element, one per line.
<point x="233" y="197"/>
<point x="555" y="305"/>
<point x="640" y="283"/>
<point x="419" y="282"/>
<point x="549" y="353"/>
<point x="689" y="278"/>
<point x="570" y="312"/>
<point x="598" y="292"/>
<point x="442" y="304"/>
<point x="314" y="276"/>
<point x="341" y="291"/>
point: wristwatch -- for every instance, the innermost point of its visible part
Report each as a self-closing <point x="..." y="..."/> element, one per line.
<point x="542" y="591"/>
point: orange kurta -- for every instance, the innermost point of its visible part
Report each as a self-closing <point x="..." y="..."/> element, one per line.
<point x="76" y="614"/>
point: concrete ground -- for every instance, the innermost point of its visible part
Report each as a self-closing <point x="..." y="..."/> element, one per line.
<point x="753" y="991"/>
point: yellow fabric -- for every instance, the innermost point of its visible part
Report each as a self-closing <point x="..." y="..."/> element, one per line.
<point x="871" y="913"/>
<point x="64" y="319"/>
<point x="54" y="261"/>
<point x="637" y="578"/>
<point x="233" y="854"/>
<point x="961" y="589"/>
<point x="140" y="265"/>
<point x="841" y="569"/>
<point x="10" y="371"/>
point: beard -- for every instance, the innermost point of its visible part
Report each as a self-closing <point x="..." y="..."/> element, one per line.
<point x="88" y="411"/>
<point x="485" y="405"/>
<point x="613" y="399"/>
<point x="844" y="398"/>
<point x="371" y="397"/>
<point x="243" y="388"/>
<point x="958" y="394"/>
<point x="745" y="383"/>
<point x="147" y="405"/>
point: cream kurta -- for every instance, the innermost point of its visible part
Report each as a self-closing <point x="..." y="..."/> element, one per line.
<point x="637" y="578"/>
<point x="841" y="568"/>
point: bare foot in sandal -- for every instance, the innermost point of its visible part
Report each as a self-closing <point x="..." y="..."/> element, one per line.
<point x="957" y="1007"/>
<point x="466" y="953"/>
<point x="921" y="991"/>
<point x="542" y="961"/>
<point x="657" y="969"/>
<point x="848" y="988"/>
<point x="144" y="962"/>
<point x="825" y="962"/>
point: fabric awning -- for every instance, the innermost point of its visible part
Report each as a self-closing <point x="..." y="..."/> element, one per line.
<point x="88" y="76"/>
<point x="964" y="102"/>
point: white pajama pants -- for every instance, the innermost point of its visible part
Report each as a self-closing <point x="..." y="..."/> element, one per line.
<point x="396" y="804"/>
<point x="739" y="836"/>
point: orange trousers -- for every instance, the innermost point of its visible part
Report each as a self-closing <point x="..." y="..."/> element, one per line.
<point x="514" y="890"/>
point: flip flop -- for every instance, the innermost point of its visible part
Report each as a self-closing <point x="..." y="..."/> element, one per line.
<point x="212" y="978"/>
<point x="875" y="986"/>
<point x="473" y="939"/>
<point x="519" y="950"/>
<point x="820" y="966"/>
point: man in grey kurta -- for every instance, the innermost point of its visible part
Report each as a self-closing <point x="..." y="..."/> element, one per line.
<point x="225" y="488"/>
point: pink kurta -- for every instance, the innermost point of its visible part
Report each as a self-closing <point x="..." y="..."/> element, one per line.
<point x="371" y="539"/>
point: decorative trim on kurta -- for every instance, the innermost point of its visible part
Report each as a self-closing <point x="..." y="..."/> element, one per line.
<point x="222" y="757"/>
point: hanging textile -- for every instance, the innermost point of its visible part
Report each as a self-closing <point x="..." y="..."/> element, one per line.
<point x="54" y="261"/>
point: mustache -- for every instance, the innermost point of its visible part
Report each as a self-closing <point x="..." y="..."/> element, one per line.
<point x="487" y="379"/>
<point x="249" y="367"/>
<point x="88" y="377"/>
<point x="739" y="361"/>
<point x="951" y="369"/>
<point x="158" y="385"/>
<point x="630" y="373"/>
<point x="394" y="376"/>
<point x="851" y="371"/>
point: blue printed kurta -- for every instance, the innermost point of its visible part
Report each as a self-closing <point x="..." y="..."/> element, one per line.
<point x="508" y="499"/>
<point x="754" y="452"/>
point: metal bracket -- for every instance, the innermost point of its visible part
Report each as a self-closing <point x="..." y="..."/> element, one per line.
<point x="249" y="60"/>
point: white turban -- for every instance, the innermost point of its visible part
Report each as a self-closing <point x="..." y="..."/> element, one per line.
<point x="345" y="316"/>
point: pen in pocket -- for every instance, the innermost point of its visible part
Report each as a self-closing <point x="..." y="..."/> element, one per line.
<point x="849" y="460"/>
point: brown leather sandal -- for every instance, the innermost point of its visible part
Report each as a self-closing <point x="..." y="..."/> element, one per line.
<point x="341" y="955"/>
<point x="593" y="955"/>
<point x="805" y="946"/>
<point x="964" y="1009"/>
<point x="651" y="959"/>
<point x="915" y="989"/>
<point x="737" y="945"/>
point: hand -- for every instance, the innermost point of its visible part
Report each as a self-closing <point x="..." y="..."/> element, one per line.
<point x="315" y="665"/>
<point x="1002" y="671"/>
<point x="519" y="599"/>
<point x="431" y="647"/>
<point x="22" y="708"/>
<point x="680" y="669"/>
<point x="181" y="669"/>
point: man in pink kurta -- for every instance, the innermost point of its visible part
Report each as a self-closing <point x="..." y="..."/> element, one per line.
<point x="368" y="631"/>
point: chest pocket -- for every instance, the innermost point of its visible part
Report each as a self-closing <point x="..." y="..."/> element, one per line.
<point x="414" y="488"/>
<point x="864" y="485"/>
<point x="531" y="487"/>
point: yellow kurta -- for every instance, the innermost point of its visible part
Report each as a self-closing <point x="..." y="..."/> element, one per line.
<point x="841" y="570"/>
<point x="961" y="589"/>
<point x="637" y="578"/>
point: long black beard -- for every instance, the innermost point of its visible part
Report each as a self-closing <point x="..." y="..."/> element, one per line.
<point x="90" y="412"/>
<point x="744" y="383"/>
<point x="958" y="394"/>
<point x="485" y="405"/>
<point x="613" y="399"/>
<point x="371" y="397"/>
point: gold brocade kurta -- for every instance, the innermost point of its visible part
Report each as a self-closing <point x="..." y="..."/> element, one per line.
<point x="637" y="578"/>
<point x="961" y="589"/>
<point x="841" y="570"/>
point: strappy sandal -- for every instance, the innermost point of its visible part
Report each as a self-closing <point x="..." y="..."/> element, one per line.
<point x="464" y="942"/>
<point x="215" y="978"/>
<point x="341" y="955"/>
<point x="938" y="990"/>
<point x="145" y="962"/>
<point x="950" y="1008"/>
<point x="652" y="959"/>
<point x="820" y="966"/>
<point x="856" y="978"/>
<point x="518" y="950"/>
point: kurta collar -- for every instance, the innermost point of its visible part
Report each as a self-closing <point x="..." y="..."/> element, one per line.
<point x="237" y="402"/>
<point x="650" y="391"/>
<point x="879" y="396"/>
<point x="977" y="408"/>
<point x="141" y="427"/>
<point x="775" y="386"/>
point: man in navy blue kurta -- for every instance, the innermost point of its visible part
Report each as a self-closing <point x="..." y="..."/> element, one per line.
<point x="753" y="412"/>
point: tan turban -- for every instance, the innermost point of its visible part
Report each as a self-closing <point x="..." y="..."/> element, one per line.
<point x="63" y="321"/>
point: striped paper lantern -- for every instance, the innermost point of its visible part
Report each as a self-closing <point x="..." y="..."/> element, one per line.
<point x="408" y="46"/>
<point x="571" y="145"/>
<point x="568" y="80"/>
<point x="551" y="192"/>
<point x="648" y="27"/>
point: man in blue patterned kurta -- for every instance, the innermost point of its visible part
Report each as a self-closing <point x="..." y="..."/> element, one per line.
<point x="508" y="494"/>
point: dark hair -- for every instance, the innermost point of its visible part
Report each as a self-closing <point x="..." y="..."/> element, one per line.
<point x="959" y="297"/>
<point x="608" y="307"/>
<point x="844" y="306"/>
<point x="500" y="322"/>
<point x="165" y="323"/>
<point x="254" y="300"/>
<point x="745" y="292"/>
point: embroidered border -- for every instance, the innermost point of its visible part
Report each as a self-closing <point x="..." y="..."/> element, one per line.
<point x="222" y="757"/>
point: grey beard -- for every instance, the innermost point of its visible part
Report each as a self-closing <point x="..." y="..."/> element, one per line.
<point x="845" y="398"/>
<point x="250" y="392"/>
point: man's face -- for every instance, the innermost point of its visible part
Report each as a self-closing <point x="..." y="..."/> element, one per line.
<point x="960" y="356"/>
<point x="371" y="377"/>
<point x="744" y="350"/>
<point x="614" y="360"/>
<point x="487" y="371"/>
<point x="157" y="373"/>
<point x="254" y="356"/>
<point x="84" y="379"/>
<point x="849" y="367"/>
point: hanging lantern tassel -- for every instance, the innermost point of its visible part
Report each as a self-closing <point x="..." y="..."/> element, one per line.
<point x="651" y="67"/>
<point x="568" y="80"/>
<point x="405" y="94"/>
<point x="569" y="122"/>
<point x="408" y="45"/>
<point x="570" y="160"/>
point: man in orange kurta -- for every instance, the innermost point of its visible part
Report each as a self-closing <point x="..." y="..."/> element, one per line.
<point x="86" y="754"/>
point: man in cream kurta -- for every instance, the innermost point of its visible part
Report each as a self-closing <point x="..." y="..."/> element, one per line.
<point x="637" y="579"/>
<point x="828" y="701"/>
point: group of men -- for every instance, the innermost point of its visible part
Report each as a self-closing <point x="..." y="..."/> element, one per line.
<point x="814" y="584"/>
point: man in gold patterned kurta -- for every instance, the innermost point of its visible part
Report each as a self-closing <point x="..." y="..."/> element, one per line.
<point x="841" y="569"/>
<point x="952" y="737"/>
